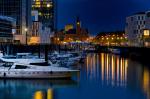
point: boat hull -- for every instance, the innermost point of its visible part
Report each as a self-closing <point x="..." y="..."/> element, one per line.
<point x="36" y="75"/>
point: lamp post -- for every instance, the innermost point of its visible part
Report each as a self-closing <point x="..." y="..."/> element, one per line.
<point x="26" y="35"/>
<point x="13" y="33"/>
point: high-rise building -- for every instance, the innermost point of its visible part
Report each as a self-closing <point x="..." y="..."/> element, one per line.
<point x="45" y="10"/>
<point x="7" y="25"/>
<point x="19" y="10"/>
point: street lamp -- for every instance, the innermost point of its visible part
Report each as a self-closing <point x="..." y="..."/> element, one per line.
<point x="13" y="35"/>
<point x="49" y="5"/>
<point x="26" y="35"/>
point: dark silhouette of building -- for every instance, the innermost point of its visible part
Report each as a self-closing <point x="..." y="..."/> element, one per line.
<point x="6" y="26"/>
<point x="19" y="10"/>
<point x="77" y="34"/>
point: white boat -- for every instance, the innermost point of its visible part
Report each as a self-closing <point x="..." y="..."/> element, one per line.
<point x="68" y="58"/>
<point x="114" y="51"/>
<point x="32" y="71"/>
<point x="24" y="58"/>
<point x="24" y="68"/>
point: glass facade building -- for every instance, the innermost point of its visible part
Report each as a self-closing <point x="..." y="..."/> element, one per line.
<point x="45" y="10"/>
<point x="19" y="10"/>
<point x="6" y="26"/>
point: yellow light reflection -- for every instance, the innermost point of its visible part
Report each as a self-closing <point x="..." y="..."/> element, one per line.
<point x="38" y="95"/>
<point x="118" y="65"/>
<point x="49" y="94"/>
<point x="113" y="70"/>
<point x="146" y="83"/>
<point x="107" y="77"/>
<point x="102" y="65"/>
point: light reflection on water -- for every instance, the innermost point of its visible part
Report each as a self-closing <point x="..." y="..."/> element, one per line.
<point x="32" y="89"/>
<point x="42" y="95"/>
<point x="115" y="71"/>
<point x="146" y="83"/>
<point x="105" y="76"/>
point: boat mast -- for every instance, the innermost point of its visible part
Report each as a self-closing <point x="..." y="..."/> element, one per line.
<point x="46" y="53"/>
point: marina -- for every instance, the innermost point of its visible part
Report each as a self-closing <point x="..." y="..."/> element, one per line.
<point x="74" y="49"/>
<point x="100" y="75"/>
<point x="22" y="66"/>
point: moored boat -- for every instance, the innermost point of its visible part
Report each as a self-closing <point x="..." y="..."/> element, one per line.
<point x="114" y="51"/>
<point x="32" y="68"/>
<point x="33" y="71"/>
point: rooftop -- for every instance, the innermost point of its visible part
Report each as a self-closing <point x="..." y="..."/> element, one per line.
<point x="140" y="13"/>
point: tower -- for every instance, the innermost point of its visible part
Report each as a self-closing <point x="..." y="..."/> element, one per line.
<point x="78" y="25"/>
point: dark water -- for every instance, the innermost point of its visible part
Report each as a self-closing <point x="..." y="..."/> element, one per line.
<point x="104" y="76"/>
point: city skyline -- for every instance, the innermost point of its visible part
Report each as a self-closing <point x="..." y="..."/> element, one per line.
<point x="95" y="17"/>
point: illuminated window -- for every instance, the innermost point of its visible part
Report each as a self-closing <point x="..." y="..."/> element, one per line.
<point x="146" y="33"/>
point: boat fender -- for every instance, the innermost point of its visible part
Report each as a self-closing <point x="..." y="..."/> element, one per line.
<point x="4" y="74"/>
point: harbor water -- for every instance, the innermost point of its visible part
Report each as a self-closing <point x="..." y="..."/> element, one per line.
<point x="102" y="76"/>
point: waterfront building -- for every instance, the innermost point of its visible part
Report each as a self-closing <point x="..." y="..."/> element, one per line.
<point x="116" y="38"/>
<point x="134" y="28"/>
<point x="45" y="10"/>
<point x="68" y="27"/>
<point x="7" y="25"/>
<point x="137" y="29"/>
<point x="41" y="34"/>
<point x="21" y="11"/>
<point x="77" y="34"/>
<point x="146" y="31"/>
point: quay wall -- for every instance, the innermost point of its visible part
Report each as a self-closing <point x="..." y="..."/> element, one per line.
<point x="141" y="54"/>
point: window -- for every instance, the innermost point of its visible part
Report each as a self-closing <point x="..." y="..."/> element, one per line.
<point x="139" y="26"/>
<point x="143" y="22"/>
<point x="142" y="17"/>
<point x="139" y="17"/>
<point x="132" y="18"/>
<point x="140" y="22"/>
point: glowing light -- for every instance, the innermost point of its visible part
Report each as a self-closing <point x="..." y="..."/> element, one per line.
<point x="26" y="29"/>
<point x="146" y="32"/>
<point x="38" y="95"/>
<point x="49" y="5"/>
<point x="34" y="40"/>
<point x="78" y="23"/>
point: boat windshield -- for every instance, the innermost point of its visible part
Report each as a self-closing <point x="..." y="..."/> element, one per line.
<point x="21" y="67"/>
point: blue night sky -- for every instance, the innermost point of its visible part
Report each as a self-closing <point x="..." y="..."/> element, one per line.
<point x="99" y="15"/>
